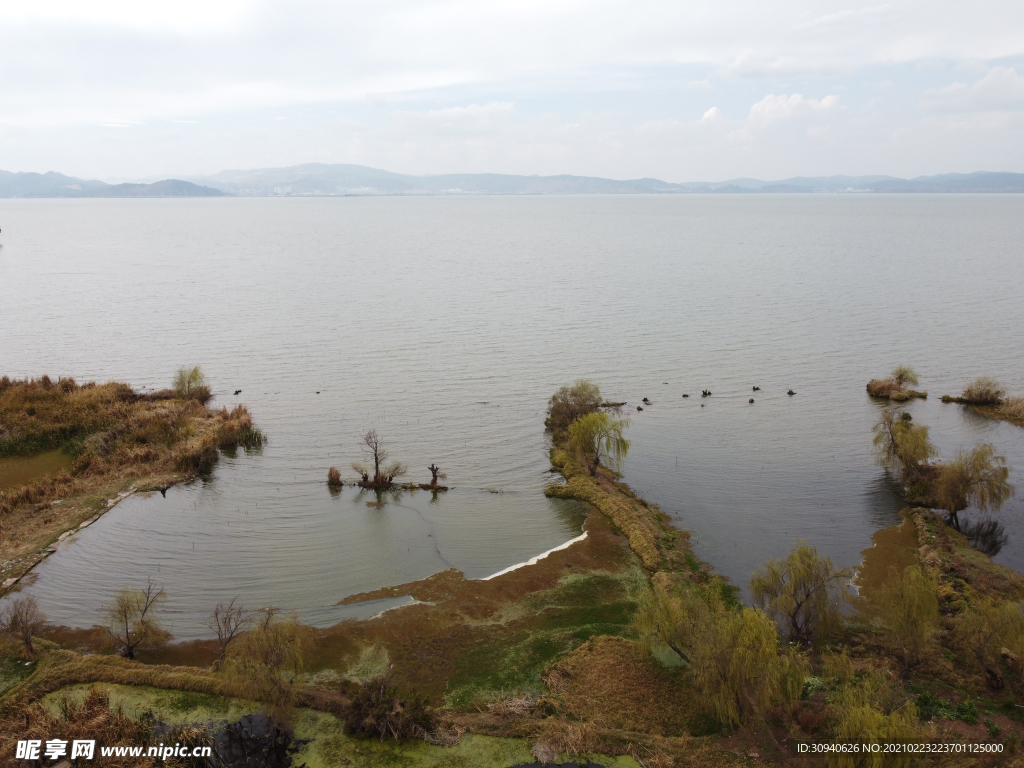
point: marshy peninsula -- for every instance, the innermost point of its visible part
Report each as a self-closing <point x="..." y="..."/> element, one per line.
<point x="497" y="511"/>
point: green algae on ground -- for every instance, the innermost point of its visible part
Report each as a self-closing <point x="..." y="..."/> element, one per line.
<point x="555" y="622"/>
<point x="327" y="743"/>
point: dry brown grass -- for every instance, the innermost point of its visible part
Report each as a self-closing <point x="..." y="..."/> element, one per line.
<point x="884" y="388"/>
<point x="92" y="718"/>
<point x="1013" y="407"/>
<point x="983" y="391"/>
<point x="891" y="389"/>
<point x="614" y="682"/>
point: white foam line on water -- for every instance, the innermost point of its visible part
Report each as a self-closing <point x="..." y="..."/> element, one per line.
<point x="533" y="560"/>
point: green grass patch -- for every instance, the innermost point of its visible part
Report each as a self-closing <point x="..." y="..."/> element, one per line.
<point x="581" y="607"/>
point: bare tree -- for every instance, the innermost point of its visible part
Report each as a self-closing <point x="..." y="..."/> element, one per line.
<point x="435" y="475"/>
<point x="130" y="621"/>
<point x="227" y="620"/>
<point x="383" y="476"/>
<point x="22" y="619"/>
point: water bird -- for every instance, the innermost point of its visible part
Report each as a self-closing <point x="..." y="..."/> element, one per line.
<point x="639" y="407"/>
<point x="238" y="392"/>
<point x="757" y="389"/>
<point x="646" y="401"/>
<point x="751" y="399"/>
<point x="685" y="395"/>
<point x="791" y="393"/>
<point x="318" y="391"/>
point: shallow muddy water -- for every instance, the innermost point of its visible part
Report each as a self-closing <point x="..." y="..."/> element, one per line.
<point x="18" y="470"/>
<point x="446" y="323"/>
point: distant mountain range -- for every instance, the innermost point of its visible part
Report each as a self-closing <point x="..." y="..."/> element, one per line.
<point x="321" y="180"/>
<point x="58" y="185"/>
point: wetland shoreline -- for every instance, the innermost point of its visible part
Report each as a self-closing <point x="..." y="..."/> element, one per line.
<point x="117" y="441"/>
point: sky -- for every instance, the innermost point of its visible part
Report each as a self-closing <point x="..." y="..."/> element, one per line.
<point x="676" y="90"/>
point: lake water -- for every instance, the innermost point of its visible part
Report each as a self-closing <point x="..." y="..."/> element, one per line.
<point x="446" y="323"/>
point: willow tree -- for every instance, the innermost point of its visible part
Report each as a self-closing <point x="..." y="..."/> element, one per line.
<point x="900" y="445"/>
<point x="910" y="610"/>
<point x="801" y="593"/>
<point x="267" y="660"/>
<point x="731" y="654"/>
<point x="903" y="375"/>
<point x="976" y="477"/>
<point x="131" y="620"/>
<point x="597" y="437"/>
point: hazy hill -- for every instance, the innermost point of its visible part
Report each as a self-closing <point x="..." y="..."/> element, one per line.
<point x="319" y="179"/>
<point x="52" y="184"/>
<point x="345" y="179"/>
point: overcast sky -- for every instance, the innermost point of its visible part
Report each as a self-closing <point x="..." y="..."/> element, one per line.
<point x="677" y="90"/>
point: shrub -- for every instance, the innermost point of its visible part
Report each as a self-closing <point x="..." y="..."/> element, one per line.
<point x="569" y="403"/>
<point x="983" y="391"/>
<point x="983" y="630"/>
<point x="378" y="710"/>
<point x="801" y="593"/>
<point x="333" y="477"/>
<point x="22" y="619"/>
<point x="967" y="711"/>
<point x="930" y="706"/>
<point x="191" y="385"/>
<point x="872" y="710"/>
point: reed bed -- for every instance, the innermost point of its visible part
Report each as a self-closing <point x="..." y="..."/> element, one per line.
<point x="983" y="391"/>
<point x="1013" y="407"/>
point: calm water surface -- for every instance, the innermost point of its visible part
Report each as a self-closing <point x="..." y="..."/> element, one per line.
<point x="446" y="323"/>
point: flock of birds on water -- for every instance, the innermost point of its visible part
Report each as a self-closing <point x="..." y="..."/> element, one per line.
<point x="707" y="393"/>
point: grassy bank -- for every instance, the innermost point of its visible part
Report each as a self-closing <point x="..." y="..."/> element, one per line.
<point x="112" y="440"/>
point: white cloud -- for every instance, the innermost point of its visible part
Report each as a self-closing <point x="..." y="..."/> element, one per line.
<point x="774" y="109"/>
<point x="1001" y="89"/>
<point x="473" y="119"/>
<point x="618" y="87"/>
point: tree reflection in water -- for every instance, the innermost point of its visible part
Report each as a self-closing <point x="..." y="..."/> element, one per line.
<point x="986" y="535"/>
